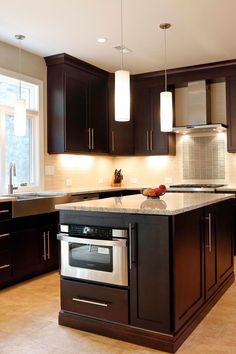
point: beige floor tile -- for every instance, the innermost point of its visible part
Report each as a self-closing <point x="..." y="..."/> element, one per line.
<point x="29" y="325"/>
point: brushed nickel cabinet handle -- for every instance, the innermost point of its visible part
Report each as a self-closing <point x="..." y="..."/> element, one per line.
<point x="209" y="245"/>
<point x="92" y="138"/>
<point x="147" y="137"/>
<point x="112" y="140"/>
<point x="4" y="235"/>
<point x="5" y="266"/>
<point x="4" y="211"/>
<point x="48" y="244"/>
<point x="104" y="304"/>
<point x="44" y="247"/>
<point x="209" y="232"/>
<point x="151" y="132"/>
<point x="89" y="138"/>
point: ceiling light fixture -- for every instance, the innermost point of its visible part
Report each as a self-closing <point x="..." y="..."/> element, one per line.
<point x="20" y="104"/>
<point x="166" y="107"/>
<point x="102" y="40"/>
<point x="122" y="86"/>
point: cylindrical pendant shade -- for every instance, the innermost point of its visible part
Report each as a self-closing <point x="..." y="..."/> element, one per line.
<point x="166" y="111"/>
<point x="20" y="118"/>
<point x="122" y="96"/>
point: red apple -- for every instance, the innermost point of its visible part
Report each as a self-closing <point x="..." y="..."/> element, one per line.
<point x="162" y="187"/>
<point x="158" y="192"/>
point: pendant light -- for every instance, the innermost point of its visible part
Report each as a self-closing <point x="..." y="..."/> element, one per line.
<point x="166" y="108"/>
<point x="122" y="86"/>
<point x="20" y="104"/>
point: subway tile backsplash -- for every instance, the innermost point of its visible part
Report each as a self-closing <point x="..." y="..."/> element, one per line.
<point x="204" y="157"/>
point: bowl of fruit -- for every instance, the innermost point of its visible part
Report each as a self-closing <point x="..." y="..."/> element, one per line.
<point x="154" y="192"/>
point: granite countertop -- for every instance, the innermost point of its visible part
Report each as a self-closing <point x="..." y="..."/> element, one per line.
<point x="169" y="204"/>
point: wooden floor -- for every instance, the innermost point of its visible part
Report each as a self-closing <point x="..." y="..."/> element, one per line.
<point x="28" y="325"/>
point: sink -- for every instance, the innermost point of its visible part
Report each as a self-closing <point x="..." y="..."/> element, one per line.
<point x="27" y="204"/>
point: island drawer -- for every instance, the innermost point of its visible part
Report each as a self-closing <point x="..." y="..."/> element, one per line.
<point x="95" y="300"/>
<point x="5" y="211"/>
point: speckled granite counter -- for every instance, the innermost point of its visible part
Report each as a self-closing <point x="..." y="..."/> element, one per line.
<point x="169" y="204"/>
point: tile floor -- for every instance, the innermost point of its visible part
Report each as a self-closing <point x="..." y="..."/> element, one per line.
<point x="28" y="325"/>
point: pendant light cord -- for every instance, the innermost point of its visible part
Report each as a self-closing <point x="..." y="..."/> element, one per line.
<point x="165" y="59"/>
<point x="121" y="33"/>
<point x="19" y="67"/>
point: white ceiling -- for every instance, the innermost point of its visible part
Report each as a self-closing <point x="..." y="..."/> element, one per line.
<point x="202" y="30"/>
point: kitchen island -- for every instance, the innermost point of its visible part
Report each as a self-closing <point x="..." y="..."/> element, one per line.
<point x="180" y="262"/>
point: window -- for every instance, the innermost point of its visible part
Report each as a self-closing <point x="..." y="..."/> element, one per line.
<point x="24" y="151"/>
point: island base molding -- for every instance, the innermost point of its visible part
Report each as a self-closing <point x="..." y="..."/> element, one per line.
<point x="161" y="341"/>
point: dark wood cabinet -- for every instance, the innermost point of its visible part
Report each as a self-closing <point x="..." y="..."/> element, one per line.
<point x="149" y="140"/>
<point x="120" y="133"/>
<point x="77" y="106"/>
<point x="34" y="247"/>
<point x="150" y="274"/>
<point x="231" y="112"/>
<point x="5" y="244"/>
<point x="188" y="266"/>
<point x="225" y="239"/>
<point x="25" y="253"/>
<point x="218" y="243"/>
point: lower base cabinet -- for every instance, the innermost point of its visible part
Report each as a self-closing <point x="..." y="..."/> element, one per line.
<point x="34" y="245"/>
<point x="95" y="300"/>
<point x="5" y="244"/>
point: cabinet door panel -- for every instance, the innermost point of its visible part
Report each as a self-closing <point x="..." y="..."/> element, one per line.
<point x="149" y="277"/>
<point x="99" y="117"/>
<point x="188" y="266"/>
<point x="224" y="229"/>
<point x="142" y="117"/>
<point x="231" y="112"/>
<point x="76" y="126"/>
<point x="26" y="252"/>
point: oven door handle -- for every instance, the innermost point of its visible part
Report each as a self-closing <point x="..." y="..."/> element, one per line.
<point x="97" y="242"/>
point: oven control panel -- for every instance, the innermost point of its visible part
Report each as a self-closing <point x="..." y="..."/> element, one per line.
<point x="96" y="232"/>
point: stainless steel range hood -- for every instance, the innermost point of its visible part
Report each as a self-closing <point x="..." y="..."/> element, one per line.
<point x="200" y="107"/>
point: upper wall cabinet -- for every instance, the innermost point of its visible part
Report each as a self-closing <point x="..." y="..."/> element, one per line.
<point x="231" y="112"/>
<point x="77" y="106"/>
<point x="120" y="133"/>
<point x="149" y="140"/>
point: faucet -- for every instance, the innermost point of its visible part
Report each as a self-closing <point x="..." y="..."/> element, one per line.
<point x="12" y="172"/>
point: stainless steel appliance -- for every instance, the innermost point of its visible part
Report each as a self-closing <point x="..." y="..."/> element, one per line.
<point x="195" y="187"/>
<point x="94" y="253"/>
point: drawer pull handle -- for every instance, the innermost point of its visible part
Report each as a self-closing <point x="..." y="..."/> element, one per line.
<point x="4" y="235"/>
<point x="4" y="211"/>
<point x="104" y="304"/>
<point x="5" y="266"/>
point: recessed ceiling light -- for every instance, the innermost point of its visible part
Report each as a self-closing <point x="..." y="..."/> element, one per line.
<point x="102" y="40"/>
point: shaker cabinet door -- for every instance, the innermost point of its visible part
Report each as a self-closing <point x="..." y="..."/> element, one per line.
<point x="76" y="119"/>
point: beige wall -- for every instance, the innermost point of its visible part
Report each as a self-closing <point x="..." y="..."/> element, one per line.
<point x="84" y="171"/>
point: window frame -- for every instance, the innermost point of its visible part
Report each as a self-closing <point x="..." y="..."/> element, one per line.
<point x="38" y="135"/>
